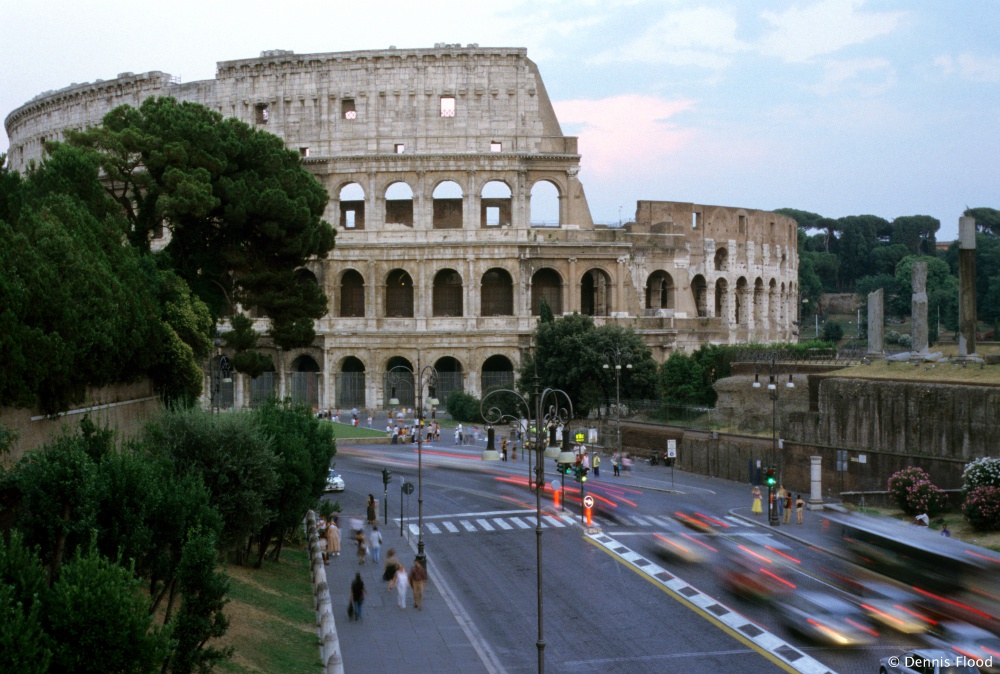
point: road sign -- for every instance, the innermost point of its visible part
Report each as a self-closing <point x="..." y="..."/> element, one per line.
<point x="588" y="501"/>
<point x="671" y="449"/>
<point x="407" y="488"/>
<point x="555" y="485"/>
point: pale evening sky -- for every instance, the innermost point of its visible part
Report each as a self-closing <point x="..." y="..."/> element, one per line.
<point x="841" y="107"/>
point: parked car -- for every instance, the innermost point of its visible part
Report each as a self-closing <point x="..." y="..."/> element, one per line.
<point x="334" y="481"/>
<point x="825" y="618"/>
<point x="926" y="661"/>
<point x="973" y="642"/>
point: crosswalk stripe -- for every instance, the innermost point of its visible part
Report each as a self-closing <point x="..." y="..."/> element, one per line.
<point x="468" y="526"/>
<point x="485" y="525"/>
<point x="414" y="529"/>
<point x="503" y="525"/>
<point x="641" y="522"/>
<point x="738" y="521"/>
<point x="555" y="522"/>
<point x="519" y="522"/>
<point x="452" y="529"/>
<point x="431" y="527"/>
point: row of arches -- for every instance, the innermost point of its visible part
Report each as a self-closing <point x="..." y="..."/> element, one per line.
<point x="448" y="204"/>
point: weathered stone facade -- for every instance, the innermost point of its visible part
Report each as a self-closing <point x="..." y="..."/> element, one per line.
<point x="433" y="159"/>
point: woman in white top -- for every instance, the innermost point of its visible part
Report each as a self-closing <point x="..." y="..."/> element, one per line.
<point x="402" y="585"/>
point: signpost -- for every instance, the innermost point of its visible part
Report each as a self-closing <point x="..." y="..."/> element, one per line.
<point x="671" y="454"/>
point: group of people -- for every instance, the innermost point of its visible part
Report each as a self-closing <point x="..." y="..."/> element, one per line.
<point x="783" y="502"/>
<point x="620" y="462"/>
<point x="394" y="572"/>
<point x="407" y="434"/>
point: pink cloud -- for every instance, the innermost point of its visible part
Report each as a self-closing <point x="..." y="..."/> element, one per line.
<point x="627" y="131"/>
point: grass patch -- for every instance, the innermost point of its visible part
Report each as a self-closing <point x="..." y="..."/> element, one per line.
<point x="944" y="373"/>
<point x="272" y="622"/>
<point x="348" y="431"/>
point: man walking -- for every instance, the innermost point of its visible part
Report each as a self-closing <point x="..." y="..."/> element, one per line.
<point x="375" y="543"/>
<point x="417" y="578"/>
<point x="357" y="595"/>
<point x="597" y="465"/>
<point x="615" y="461"/>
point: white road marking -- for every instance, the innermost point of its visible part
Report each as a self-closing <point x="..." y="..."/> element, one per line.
<point x="452" y="529"/>
<point x="503" y="525"/>
<point x="485" y="525"/>
<point x="468" y="526"/>
<point x="519" y="522"/>
<point x="432" y="528"/>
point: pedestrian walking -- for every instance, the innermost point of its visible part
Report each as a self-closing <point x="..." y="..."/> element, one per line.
<point x="372" y="509"/>
<point x="402" y="585"/>
<point x="780" y="500"/>
<point x="787" y="519"/>
<point x="359" y="538"/>
<point x="333" y="539"/>
<point x="597" y="465"/>
<point x="513" y="451"/>
<point x="375" y="543"/>
<point x="615" y="464"/>
<point x="418" y="576"/>
<point x="395" y="435"/>
<point x="391" y="564"/>
<point x="503" y="449"/>
<point x="799" y="507"/>
<point x="321" y="529"/>
<point x="370" y="420"/>
<point x="756" y="508"/>
<point x="627" y="463"/>
<point x="458" y="435"/>
<point x="586" y="457"/>
<point x="357" y="595"/>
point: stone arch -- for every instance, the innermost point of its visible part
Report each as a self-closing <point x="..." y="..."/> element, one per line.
<point x="495" y="204"/>
<point x="722" y="300"/>
<point x="595" y="293"/>
<point x="740" y="298"/>
<point x="544" y="205"/>
<point x="546" y="284"/>
<point x="659" y="291"/>
<point x="399" y="204"/>
<point x="450" y="378"/>
<point x="303" y="274"/>
<point x="351" y="383"/>
<point x="773" y="306"/>
<point x="497" y="294"/>
<point x="352" y="206"/>
<point x="352" y="294"/>
<point x="304" y="381"/>
<point x="758" y="302"/>
<point x="399" y="383"/>
<point x="448" y="200"/>
<point x="447" y="300"/>
<point x="398" y="294"/>
<point x="497" y="372"/>
<point x="699" y="289"/>
<point x="721" y="259"/>
<point x="263" y="387"/>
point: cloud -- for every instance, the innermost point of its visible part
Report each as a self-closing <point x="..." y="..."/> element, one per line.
<point x="802" y="33"/>
<point x="626" y="131"/>
<point x="869" y="77"/>
<point x="690" y="37"/>
<point x="970" y="67"/>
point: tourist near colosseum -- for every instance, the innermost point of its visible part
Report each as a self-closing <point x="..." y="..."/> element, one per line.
<point x="458" y="210"/>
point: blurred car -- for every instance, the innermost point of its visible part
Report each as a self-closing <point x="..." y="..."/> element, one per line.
<point x="334" y="481"/>
<point x="973" y="642"/>
<point x="678" y="546"/>
<point x="699" y="522"/>
<point x="752" y="571"/>
<point x="926" y="661"/>
<point x="894" y="608"/>
<point x="825" y="618"/>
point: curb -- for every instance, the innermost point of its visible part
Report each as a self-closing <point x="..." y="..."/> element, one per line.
<point x="326" y="626"/>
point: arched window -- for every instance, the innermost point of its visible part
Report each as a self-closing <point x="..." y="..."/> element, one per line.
<point x="721" y="259"/>
<point x="447" y="293"/>
<point x="758" y="302"/>
<point x="303" y="274"/>
<point x="495" y="209"/>
<point x="449" y="379"/>
<point x="351" y="383"/>
<point x="498" y="372"/>
<point x="741" y="300"/>
<point x="722" y="299"/>
<point x="546" y="285"/>
<point x="399" y="205"/>
<point x="263" y="387"/>
<point x="544" y="205"/>
<point x="699" y="288"/>
<point x="497" y="293"/>
<point x="448" y="206"/>
<point x="304" y="381"/>
<point x="352" y="207"/>
<point x="398" y="295"/>
<point x="398" y="384"/>
<point x="352" y="295"/>
<point x="595" y="293"/>
<point x="660" y="291"/>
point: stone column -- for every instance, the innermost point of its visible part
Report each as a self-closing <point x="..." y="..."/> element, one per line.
<point x="918" y="311"/>
<point x="875" y="322"/>
<point x="966" y="287"/>
<point x="815" y="483"/>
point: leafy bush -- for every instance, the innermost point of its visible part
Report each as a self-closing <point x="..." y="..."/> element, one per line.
<point x="833" y="331"/>
<point x="982" y="508"/>
<point x="463" y="406"/>
<point x="892" y="337"/>
<point x="906" y="341"/>
<point x="982" y="472"/>
<point x="913" y="492"/>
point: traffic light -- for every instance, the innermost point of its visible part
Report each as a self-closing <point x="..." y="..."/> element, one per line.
<point x="563" y="468"/>
<point x="386" y="476"/>
<point x="580" y="473"/>
<point x="769" y="474"/>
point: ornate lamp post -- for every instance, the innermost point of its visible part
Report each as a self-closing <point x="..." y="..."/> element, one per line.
<point x="772" y="391"/>
<point x="221" y="373"/>
<point x="555" y="414"/>
<point x="426" y="376"/>
<point x="615" y="356"/>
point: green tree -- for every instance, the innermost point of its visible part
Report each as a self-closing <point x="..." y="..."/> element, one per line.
<point x="242" y="339"/>
<point x="242" y="212"/>
<point x="942" y="292"/>
<point x="987" y="219"/>
<point x="916" y="232"/>
<point x="682" y="380"/>
<point x="24" y="646"/>
<point x="859" y="237"/>
<point x="833" y="331"/>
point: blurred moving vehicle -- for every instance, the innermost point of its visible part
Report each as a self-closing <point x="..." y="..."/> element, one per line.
<point x="971" y="641"/>
<point x="825" y="618"/>
<point x="752" y="571"/>
<point x="925" y="661"/>
<point x="894" y="608"/>
<point x="675" y="544"/>
<point x="334" y="481"/>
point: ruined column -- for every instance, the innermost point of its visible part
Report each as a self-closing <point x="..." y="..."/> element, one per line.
<point x="966" y="287"/>
<point x="815" y="483"/>
<point x="875" y="322"/>
<point x="918" y="317"/>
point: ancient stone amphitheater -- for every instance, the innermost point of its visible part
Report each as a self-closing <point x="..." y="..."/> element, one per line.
<point x="459" y="209"/>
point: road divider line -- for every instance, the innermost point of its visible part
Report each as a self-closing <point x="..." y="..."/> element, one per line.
<point x="733" y="623"/>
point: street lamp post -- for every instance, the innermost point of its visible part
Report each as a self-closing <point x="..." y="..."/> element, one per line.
<point x="220" y="372"/>
<point x="615" y="356"/>
<point x="555" y="414"/>
<point x="772" y="391"/>
<point x="427" y="376"/>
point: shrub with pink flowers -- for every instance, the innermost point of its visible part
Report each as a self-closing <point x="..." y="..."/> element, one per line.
<point x="982" y="508"/>
<point x="913" y="492"/>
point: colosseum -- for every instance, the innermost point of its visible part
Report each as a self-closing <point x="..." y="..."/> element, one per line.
<point x="458" y="209"/>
